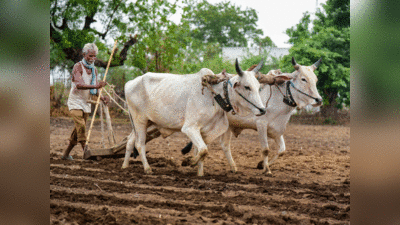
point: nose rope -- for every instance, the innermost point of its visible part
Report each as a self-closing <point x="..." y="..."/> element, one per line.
<point x="261" y="110"/>
<point x="291" y="83"/>
<point x="288" y="98"/>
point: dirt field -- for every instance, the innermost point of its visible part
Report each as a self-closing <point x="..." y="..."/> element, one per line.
<point x="310" y="183"/>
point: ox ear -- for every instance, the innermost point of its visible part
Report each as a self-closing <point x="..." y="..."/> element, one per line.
<point x="295" y="65"/>
<point x="235" y="85"/>
<point x="316" y="64"/>
<point x="237" y="67"/>
<point x="224" y="73"/>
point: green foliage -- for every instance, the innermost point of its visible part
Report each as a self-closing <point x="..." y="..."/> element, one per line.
<point x="330" y="40"/>
<point x="264" y="42"/>
<point x="300" y="32"/>
<point x="338" y="16"/>
<point x="121" y="75"/>
<point x="60" y="93"/>
<point x="330" y="121"/>
<point x="216" y="64"/>
<point x="223" y="23"/>
<point x="250" y="60"/>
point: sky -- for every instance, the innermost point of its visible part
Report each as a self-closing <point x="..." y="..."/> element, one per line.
<point x="274" y="16"/>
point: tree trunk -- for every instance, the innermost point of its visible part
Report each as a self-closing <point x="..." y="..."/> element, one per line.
<point x="330" y="110"/>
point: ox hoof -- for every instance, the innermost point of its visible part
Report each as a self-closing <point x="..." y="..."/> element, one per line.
<point x="124" y="166"/>
<point x="148" y="171"/>
<point x="267" y="171"/>
<point x="234" y="170"/>
<point x="199" y="157"/>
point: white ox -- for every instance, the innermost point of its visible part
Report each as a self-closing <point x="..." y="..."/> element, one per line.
<point x="273" y="123"/>
<point x="175" y="103"/>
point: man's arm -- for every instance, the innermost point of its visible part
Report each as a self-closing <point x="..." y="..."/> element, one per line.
<point x="80" y="84"/>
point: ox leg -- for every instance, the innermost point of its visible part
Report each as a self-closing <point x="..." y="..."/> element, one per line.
<point x="129" y="148"/>
<point x="226" y="147"/>
<point x="140" y="145"/>
<point x="282" y="147"/>
<point x="195" y="137"/>
<point x="262" y="134"/>
<point x="200" y="164"/>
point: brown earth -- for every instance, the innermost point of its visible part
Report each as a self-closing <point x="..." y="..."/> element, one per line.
<point x="310" y="183"/>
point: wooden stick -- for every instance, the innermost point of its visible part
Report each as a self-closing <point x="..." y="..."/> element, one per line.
<point x="98" y="99"/>
<point x="111" y="137"/>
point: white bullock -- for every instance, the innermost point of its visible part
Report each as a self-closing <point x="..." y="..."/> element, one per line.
<point x="300" y="91"/>
<point x="175" y="103"/>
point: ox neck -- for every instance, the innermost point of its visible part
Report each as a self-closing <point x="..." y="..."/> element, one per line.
<point x="223" y="102"/>
<point x="277" y="98"/>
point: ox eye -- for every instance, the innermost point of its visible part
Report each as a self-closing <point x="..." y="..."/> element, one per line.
<point x="303" y="79"/>
<point x="247" y="88"/>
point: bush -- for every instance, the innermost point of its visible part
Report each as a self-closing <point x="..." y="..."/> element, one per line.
<point x="250" y="60"/>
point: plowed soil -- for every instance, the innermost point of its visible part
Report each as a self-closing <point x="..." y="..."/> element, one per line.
<point x="310" y="184"/>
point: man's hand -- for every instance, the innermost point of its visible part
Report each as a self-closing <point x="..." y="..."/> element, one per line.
<point x="105" y="99"/>
<point x="100" y="84"/>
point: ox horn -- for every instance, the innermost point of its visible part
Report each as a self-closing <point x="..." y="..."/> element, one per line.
<point x="238" y="70"/>
<point x="294" y="63"/>
<point x="316" y="64"/>
<point x="259" y="66"/>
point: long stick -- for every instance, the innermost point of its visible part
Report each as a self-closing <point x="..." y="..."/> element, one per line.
<point x="98" y="99"/>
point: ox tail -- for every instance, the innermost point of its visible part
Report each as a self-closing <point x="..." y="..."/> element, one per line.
<point x="187" y="148"/>
<point x="135" y="151"/>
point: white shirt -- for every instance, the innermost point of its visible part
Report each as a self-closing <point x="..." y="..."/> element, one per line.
<point x="77" y="97"/>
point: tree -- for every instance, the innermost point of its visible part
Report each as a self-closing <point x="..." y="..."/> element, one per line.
<point x="157" y="45"/>
<point x="264" y="42"/>
<point x="329" y="39"/>
<point x="71" y="26"/>
<point x="224" y="23"/>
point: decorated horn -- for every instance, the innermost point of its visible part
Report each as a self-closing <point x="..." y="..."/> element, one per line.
<point x="238" y="70"/>
<point x="316" y="64"/>
<point x="294" y="63"/>
<point x="259" y="66"/>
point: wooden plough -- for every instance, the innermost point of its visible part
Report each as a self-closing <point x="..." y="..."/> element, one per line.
<point x="118" y="151"/>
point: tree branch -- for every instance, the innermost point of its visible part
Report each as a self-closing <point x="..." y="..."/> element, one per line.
<point x="122" y="55"/>
<point x="88" y="20"/>
<point x="109" y="23"/>
<point x="64" y="24"/>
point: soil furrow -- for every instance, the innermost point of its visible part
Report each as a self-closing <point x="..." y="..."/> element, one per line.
<point x="310" y="184"/>
<point x="290" y="188"/>
<point x="63" y="212"/>
<point x="275" y="203"/>
<point x="208" y="210"/>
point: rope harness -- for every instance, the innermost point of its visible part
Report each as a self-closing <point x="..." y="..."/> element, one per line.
<point x="288" y="98"/>
<point x="224" y="103"/>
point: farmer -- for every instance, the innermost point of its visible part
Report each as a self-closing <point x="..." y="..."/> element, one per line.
<point x="83" y="88"/>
